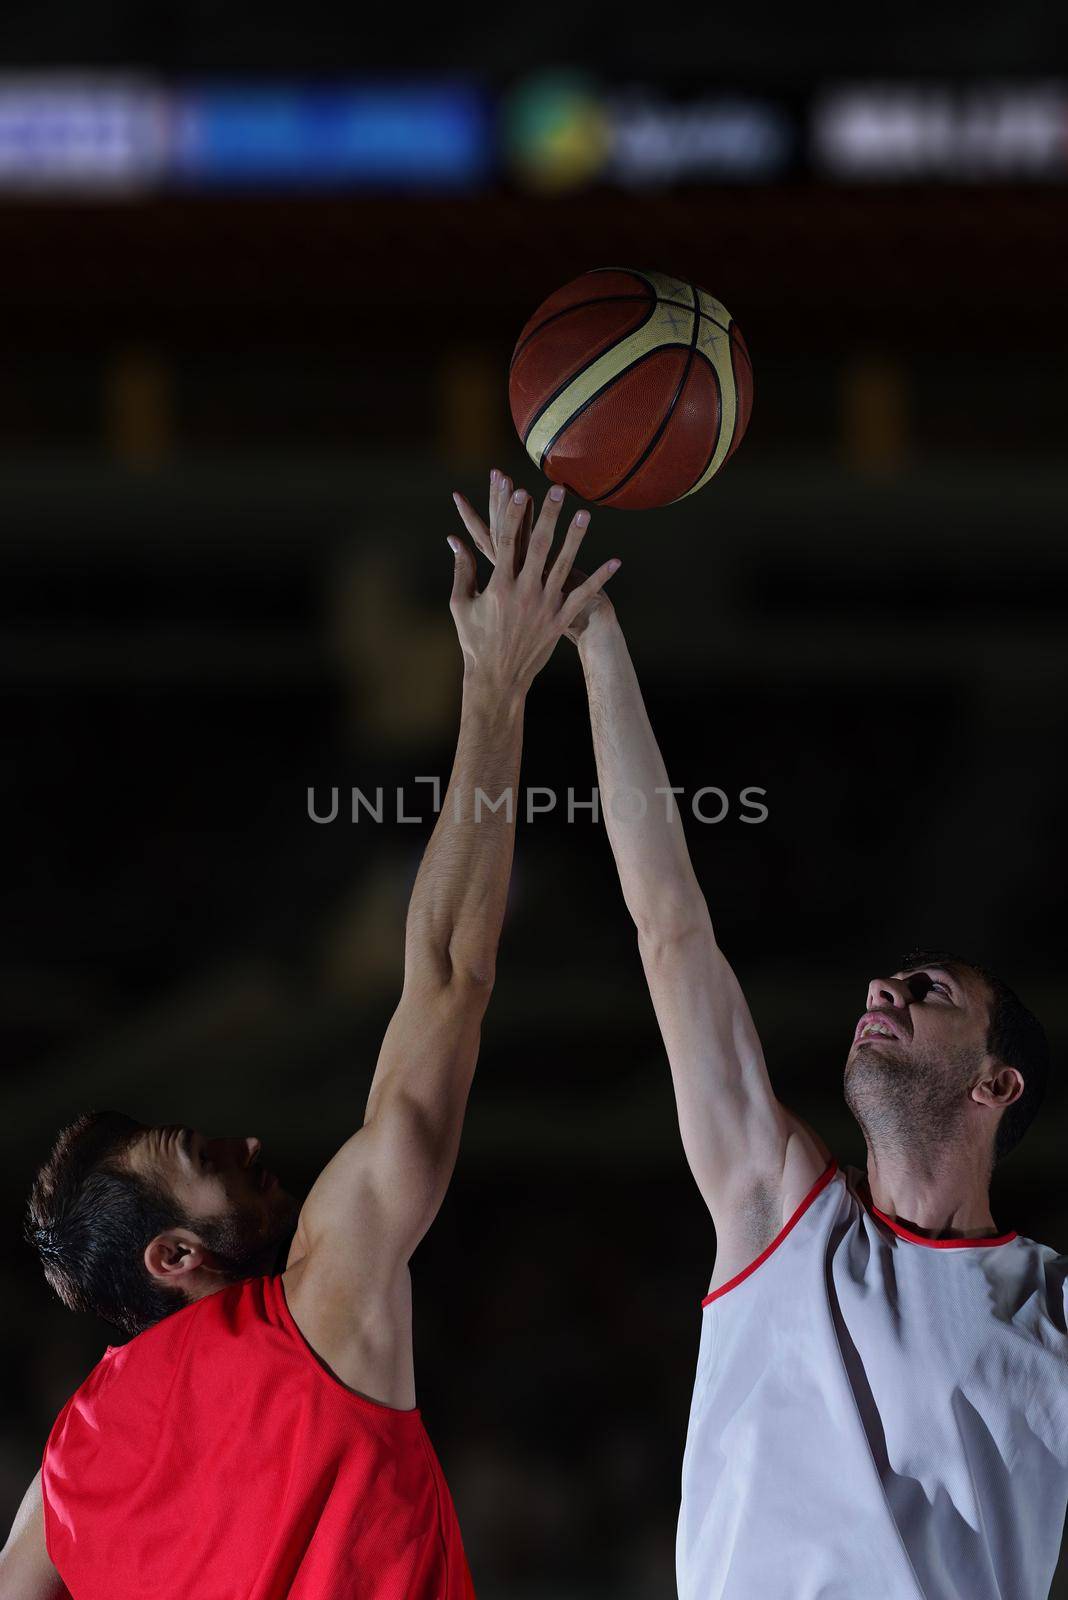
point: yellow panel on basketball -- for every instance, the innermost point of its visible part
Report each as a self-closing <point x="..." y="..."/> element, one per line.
<point x="631" y="388"/>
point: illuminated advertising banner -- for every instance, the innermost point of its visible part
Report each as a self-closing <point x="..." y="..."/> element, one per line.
<point x="423" y="135"/>
<point x="561" y="131"/>
<point x="81" y="132"/>
<point x="88" y="134"/>
<point x="551" y="133"/>
<point x="914" y="133"/>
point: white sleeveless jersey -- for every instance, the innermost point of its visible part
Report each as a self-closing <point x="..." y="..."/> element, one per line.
<point x="878" y="1416"/>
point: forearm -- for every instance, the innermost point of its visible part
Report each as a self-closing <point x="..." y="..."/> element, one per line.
<point x="642" y="818"/>
<point x="453" y="929"/>
<point x="457" y="905"/>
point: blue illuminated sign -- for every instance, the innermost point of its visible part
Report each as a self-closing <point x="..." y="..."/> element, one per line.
<point x="432" y="135"/>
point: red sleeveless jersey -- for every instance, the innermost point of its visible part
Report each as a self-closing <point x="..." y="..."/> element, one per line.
<point x="214" y="1457"/>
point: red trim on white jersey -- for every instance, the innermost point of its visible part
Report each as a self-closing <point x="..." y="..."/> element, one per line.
<point x="817" y="1188"/>
<point x="940" y="1244"/>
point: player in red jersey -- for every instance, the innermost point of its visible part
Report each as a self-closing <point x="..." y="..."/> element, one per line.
<point x="257" y="1435"/>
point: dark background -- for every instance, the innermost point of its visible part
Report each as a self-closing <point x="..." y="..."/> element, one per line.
<point x="229" y="427"/>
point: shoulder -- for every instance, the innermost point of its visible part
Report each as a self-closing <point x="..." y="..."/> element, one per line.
<point x="1046" y="1273"/>
<point x="757" y="1231"/>
<point x="130" y="1380"/>
<point x="89" y="1393"/>
<point x="763" y="1200"/>
<point x="806" y="1159"/>
<point x="359" y="1327"/>
<point x="327" y="1286"/>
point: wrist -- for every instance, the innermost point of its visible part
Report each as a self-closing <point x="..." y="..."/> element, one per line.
<point x="487" y="696"/>
<point x="601" y="629"/>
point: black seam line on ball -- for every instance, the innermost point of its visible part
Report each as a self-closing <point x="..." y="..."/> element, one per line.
<point x="570" y="380"/>
<point x="711" y="365"/>
<point x="580" y="305"/>
<point x="646" y="274"/>
<point x="616" y="299"/>
<point x="658" y="433"/>
<point x="646" y="355"/>
<point x="713" y="320"/>
<point x="664" y="301"/>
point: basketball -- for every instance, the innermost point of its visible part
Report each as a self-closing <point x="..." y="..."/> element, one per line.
<point x="630" y="388"/>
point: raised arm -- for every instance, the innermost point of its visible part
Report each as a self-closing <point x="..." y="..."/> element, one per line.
<point x="376" y="1198"/>
<point x="752" y="1160"/>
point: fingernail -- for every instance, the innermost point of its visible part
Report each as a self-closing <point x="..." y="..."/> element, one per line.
<point x="454" y="545"/>
<point x="581" y="519"/>
<point x="455" y="498"/>
<point x="614" y="566"/>
<point x="493" y="475"/>
<point x="519" y="497"/>
<point x="556" y="492"/>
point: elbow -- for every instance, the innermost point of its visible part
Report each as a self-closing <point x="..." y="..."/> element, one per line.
<point x="450" y="961"/>
<point x="471" y="970"/>
<point x="460" y="967"/>
<point x="671" y="921"/>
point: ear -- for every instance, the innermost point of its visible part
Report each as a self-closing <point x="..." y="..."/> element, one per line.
<point x="172" y="1256"/>
<point x="998" y="1087"/>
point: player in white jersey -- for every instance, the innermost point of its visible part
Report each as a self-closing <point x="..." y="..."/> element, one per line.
<point x="881" y="1404"/>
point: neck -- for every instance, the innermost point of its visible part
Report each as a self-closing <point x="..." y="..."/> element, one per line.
<point x="949" y="1202"/>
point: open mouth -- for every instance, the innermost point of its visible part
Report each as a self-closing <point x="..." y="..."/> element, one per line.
<point x="873" y="1025"/>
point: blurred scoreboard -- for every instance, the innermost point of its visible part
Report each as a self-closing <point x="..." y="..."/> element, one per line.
<point x="125" y="136"/>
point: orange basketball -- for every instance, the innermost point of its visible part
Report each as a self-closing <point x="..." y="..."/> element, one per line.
<point x="630" y="388"/>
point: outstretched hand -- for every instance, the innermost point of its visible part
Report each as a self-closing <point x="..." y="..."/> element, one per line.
<point x="509" y="630"/>
<point x="487" y="539"/>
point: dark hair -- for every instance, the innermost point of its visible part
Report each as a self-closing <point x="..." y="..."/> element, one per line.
<point x="90" y="1218"/>
<point x="1014" y="1036"/>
